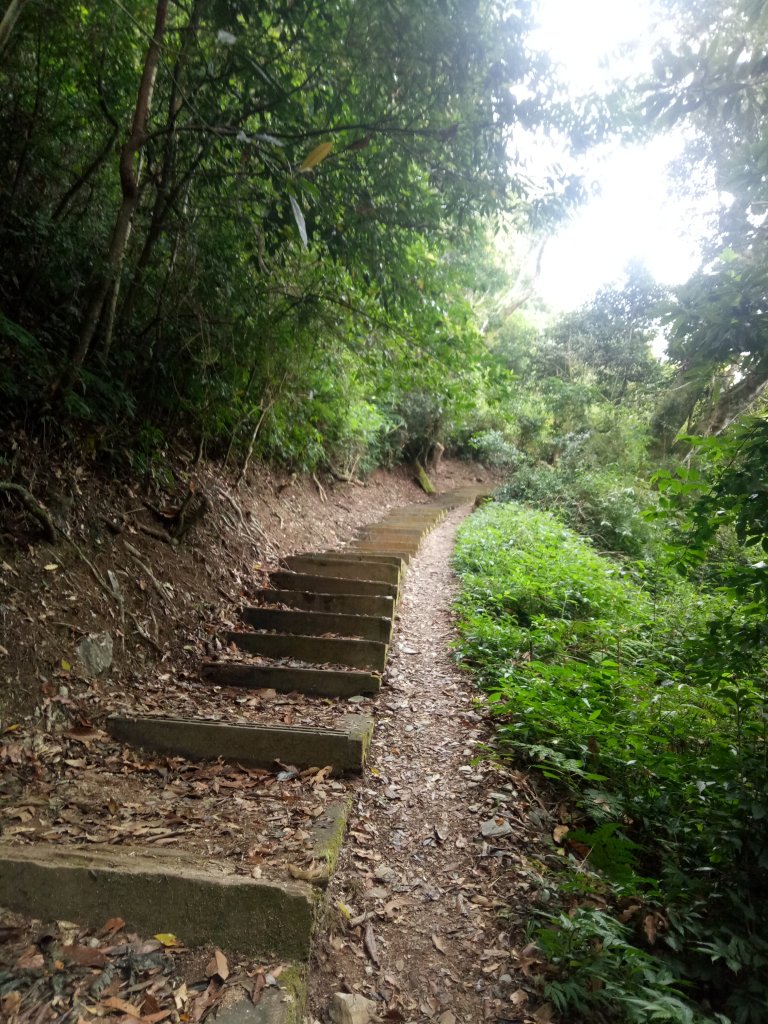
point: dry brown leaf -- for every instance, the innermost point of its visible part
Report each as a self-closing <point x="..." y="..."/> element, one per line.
<point x="205" y="1001"/>
<point x="180" y="996"/>
<point x="438" y="943"/>
<point x="560" y="832"/>
<point x="218" y="966"/>
<point x="369" y="945"/>
<point x="629" y="913"/>
<point x="545" y="1014"/>
<point x="9" y="1004"/>
<point x="30" y="959"/>
<point x="113" y="1003"/>
<point x="311" y="874"/>
<point x="87" y="956"/>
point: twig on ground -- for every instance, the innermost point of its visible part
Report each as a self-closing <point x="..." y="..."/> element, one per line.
<point x="136" y="555"/>
<point x="33" y="506"/>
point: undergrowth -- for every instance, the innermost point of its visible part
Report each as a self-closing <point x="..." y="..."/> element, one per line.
<point x="605" y="677"/>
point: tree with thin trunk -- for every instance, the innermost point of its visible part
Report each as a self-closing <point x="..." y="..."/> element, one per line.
<point x="129" y="182"/>
<point x="8" y="21"/>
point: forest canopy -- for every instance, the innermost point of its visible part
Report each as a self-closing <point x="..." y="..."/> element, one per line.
<point x="218" y="217"/>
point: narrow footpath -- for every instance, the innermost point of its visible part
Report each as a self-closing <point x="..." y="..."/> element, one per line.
<point x="429" y="901"/>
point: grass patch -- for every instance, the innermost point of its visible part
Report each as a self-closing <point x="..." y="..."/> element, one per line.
<point x="599" y="675"/>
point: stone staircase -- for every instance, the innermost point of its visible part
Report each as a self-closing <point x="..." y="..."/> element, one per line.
<point x="331" y="614"/>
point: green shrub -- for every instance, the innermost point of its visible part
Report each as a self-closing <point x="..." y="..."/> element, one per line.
<point x="607" y="677"/>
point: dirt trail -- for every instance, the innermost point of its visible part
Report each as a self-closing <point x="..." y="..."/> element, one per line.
<point x="414" y="918"/>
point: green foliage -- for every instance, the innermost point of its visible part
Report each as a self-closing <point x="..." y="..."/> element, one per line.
<point x="595" y="495"/>
<point x="306" y="177"/>
<point x="494" y="449"/>
<point x="600" y="674"/>
<point x="602" y="970"/>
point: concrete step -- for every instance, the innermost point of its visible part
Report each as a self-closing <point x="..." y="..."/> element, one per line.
<point x="389" y="547"/>
<point x="340" y="568"/>
<point x="312" y="681"/>
<point x="202" y="902"/>
<point x="429" y="519"/>
<point x="340" y="556"/>
<point x="344" y="748"/>
<point x="344" y="604"/>
<point x="331" y="584"/>
<point x="319" y="623"/>
<point x="283" y="1003"/>
<point x="380" y="538"/>
<point x="315" y="650"/>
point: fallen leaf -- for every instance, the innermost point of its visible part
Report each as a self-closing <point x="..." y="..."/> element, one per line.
<point x="205" y="1000"/>
<point x="438" y="943"/>
<point x="9" y="1004"/>
<point x="560" y="832"/>
<point x="112" y="925"/>
<point x="83" y="734"/>
<point x="180" y="996"/>
<point x="87" y="956"/>
<point x="311" y="874"/>
<point x="30" y="959"/>
<point x="167" y="939"/>
<point x="629" y="913"/>
<point x="113" y="1003"/>
<point x="544" y="1014"/>
<point x="369" y="945"/>
<point x="217" y="966"/>
<point x="51" y="567"/>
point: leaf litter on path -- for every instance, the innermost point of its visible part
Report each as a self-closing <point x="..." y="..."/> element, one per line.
<point x="439" y="842"/>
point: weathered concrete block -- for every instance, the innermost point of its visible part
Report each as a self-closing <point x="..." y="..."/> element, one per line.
<point x="344" y="604"/>
<point x="313" y="681"/>
<point x="340" y="568"/>
<point x="367" y="627"/>
<point x="394" y="547"/>
<point x="343" y="748"/>
<point x="357" y="557"/>
<point x="315" y="650"/>
<point x="202" y="902"/>
<point x="331" y="584"/>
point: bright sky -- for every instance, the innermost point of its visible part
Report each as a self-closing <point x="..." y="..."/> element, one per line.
<point x="633" y="217"/>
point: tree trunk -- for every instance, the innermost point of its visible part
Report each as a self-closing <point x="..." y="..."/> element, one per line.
<point x="9" y="19"/>
<point x="167" y="192"/>
<point x="129" y="181"/>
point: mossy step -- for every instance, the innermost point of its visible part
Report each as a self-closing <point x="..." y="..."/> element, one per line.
<point x="341" y="568"/>
<point x="344" y="604"/>
<point x="314" y="650"/>
<point x="426" y="523"/>
<point x="390" y="547"/>
<point x="312" y="681"/>
<point x="331" y="584"/>
<point x="282" y="1003"/>
<point x="380" y="533"/>
<point x="386" y="531"/>
<point x="357" y="557"/>
<point x="367" y="627"/>
<point x="204" y="903"/>
<point x="344" y="748"/>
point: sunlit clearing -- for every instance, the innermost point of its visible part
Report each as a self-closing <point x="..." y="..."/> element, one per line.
<point x="634" y="218"/>
<point x="582" y="36"/>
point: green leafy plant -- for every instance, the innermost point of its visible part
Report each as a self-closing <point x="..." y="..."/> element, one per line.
<point x="599" y="674"/>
